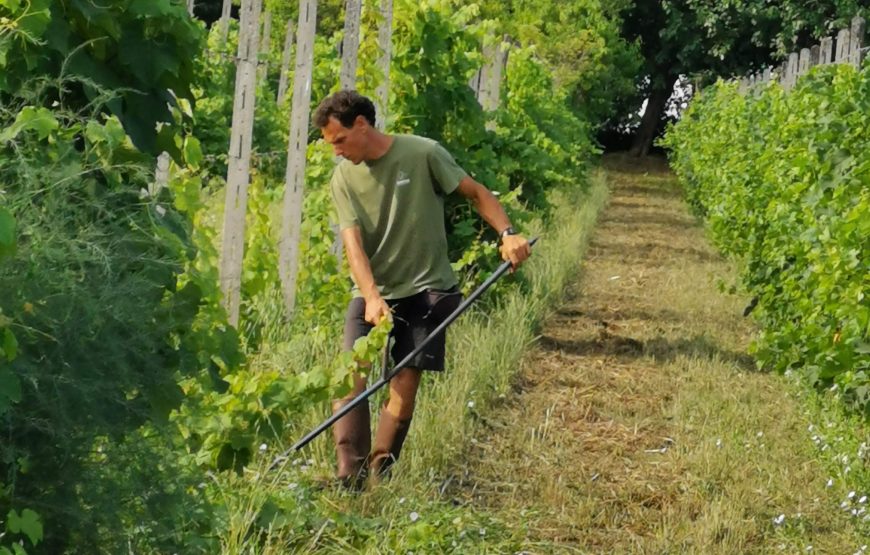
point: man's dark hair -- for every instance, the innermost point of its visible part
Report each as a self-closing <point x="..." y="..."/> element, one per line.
<point x="344" y="106"/>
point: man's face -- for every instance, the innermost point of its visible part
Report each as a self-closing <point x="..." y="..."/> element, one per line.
<point x="349" y="142"/>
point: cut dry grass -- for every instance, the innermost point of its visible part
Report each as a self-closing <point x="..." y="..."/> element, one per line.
<point x="638" y="424"/>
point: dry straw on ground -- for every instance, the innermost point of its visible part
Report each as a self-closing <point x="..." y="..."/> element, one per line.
<point x="639" y="424"/>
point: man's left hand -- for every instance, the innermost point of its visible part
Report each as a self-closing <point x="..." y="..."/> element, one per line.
<point x="515" y="248"/>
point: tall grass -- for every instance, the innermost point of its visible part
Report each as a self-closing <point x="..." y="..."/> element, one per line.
<point x="484" y="348"/>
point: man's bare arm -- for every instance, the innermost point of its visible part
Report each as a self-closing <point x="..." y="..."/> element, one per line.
<point x="514" y="247"/>
<point x="361" y="270"/>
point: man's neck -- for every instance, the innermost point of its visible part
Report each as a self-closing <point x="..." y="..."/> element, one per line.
<point x="379" y="144"/>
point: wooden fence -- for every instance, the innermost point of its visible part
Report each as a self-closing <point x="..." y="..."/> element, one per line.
<point x="847" y="48"/>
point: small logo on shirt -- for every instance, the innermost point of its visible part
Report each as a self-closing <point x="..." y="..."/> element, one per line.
<point x="402" y="179"/>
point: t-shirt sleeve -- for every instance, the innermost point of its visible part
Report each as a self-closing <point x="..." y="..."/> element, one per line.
<point x="444" y="169"/>
<point x="344" y="208"/>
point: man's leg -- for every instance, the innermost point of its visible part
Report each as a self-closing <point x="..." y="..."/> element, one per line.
<point x="352" y="432"/>
<point x="395" y="421"/>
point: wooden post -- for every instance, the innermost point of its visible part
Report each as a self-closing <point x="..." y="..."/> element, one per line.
<point x="768" y="74"/>
<point x="856" y="56"/>
<point x="491" y="75"/>
<point x="793" y="61"/>
<point x="291" y="213"/>
<point x="233" y="244"/>
<point x="843" y="46"/>
<point x="285" y="63"/>
<point x="161" y="174"/>
<point x="826" y="51"/>
<point x="347" y="79"/>
<point x="804" y="61"/>
<point x="485" y="74"/>
<point x="225" y="20"/>
<point x="385" y="44"/>
<point x="815" y="55"/>
<point x="265" y="47"/>
<point x="350" y="45"/>
<point x="191" y="5"/>
<point x="474" y="82"/>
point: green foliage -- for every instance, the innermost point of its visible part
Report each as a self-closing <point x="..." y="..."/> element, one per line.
<point x="103" y="328"/>
<point x="138" y="52"/>
<point x="581" y="43"/>
<point x="121" y="382"/>
<point x="781" y="179"/>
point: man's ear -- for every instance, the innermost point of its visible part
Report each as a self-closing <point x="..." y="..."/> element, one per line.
<point x="360" y="121"/>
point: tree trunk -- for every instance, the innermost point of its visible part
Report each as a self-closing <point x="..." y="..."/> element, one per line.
<point x="649" y="123"/>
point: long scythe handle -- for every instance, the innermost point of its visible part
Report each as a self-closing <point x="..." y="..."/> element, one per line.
<point x="362" y="397"/>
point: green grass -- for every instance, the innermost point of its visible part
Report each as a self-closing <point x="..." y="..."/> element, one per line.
<point x="415" y="511"/>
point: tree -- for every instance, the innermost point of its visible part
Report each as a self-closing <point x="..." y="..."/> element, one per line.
<point x="580" y="41"/>
<point x="706" y="39"/>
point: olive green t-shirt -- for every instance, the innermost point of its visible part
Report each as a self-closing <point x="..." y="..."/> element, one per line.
<point x="398" y="203"/>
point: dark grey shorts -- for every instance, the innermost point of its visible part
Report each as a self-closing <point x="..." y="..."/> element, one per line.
<point x="414" y="318"/>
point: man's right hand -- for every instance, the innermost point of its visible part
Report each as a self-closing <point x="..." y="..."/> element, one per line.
<point x="376" y="310"/>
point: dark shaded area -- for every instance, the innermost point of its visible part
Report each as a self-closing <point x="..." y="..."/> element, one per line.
<point x="636" y="218"/>
<point x="661" y="193"/>
<point x="209" y="11"/>
<point x="641" y="253"/>
<point x="597" y="314"/>
<point x="663" y="350"/>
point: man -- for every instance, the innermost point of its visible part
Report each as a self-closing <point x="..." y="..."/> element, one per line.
<point x="389" y="194"/>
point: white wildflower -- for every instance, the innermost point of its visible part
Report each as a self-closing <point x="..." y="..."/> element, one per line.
<point x="779" y="520"/>
<point x="415" y="516"/>
<point x="263" y="447"/>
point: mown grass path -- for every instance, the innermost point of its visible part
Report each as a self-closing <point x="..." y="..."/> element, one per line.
<point x="638" y="424"/>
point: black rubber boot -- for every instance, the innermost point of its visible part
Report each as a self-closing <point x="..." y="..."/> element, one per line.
<point x="389" y="439"/>
<point x="352" y="434"/>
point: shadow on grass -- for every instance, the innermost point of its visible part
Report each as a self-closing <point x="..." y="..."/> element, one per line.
<point x="617" y="315"/>
<point x="652" y="254"/>
<point x="661" y="192"/>
<point x="660" y="349"/>
<point x="636" y="218"/>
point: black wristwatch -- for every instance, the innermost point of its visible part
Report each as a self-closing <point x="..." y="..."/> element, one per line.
<point x="508" y="231"/>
